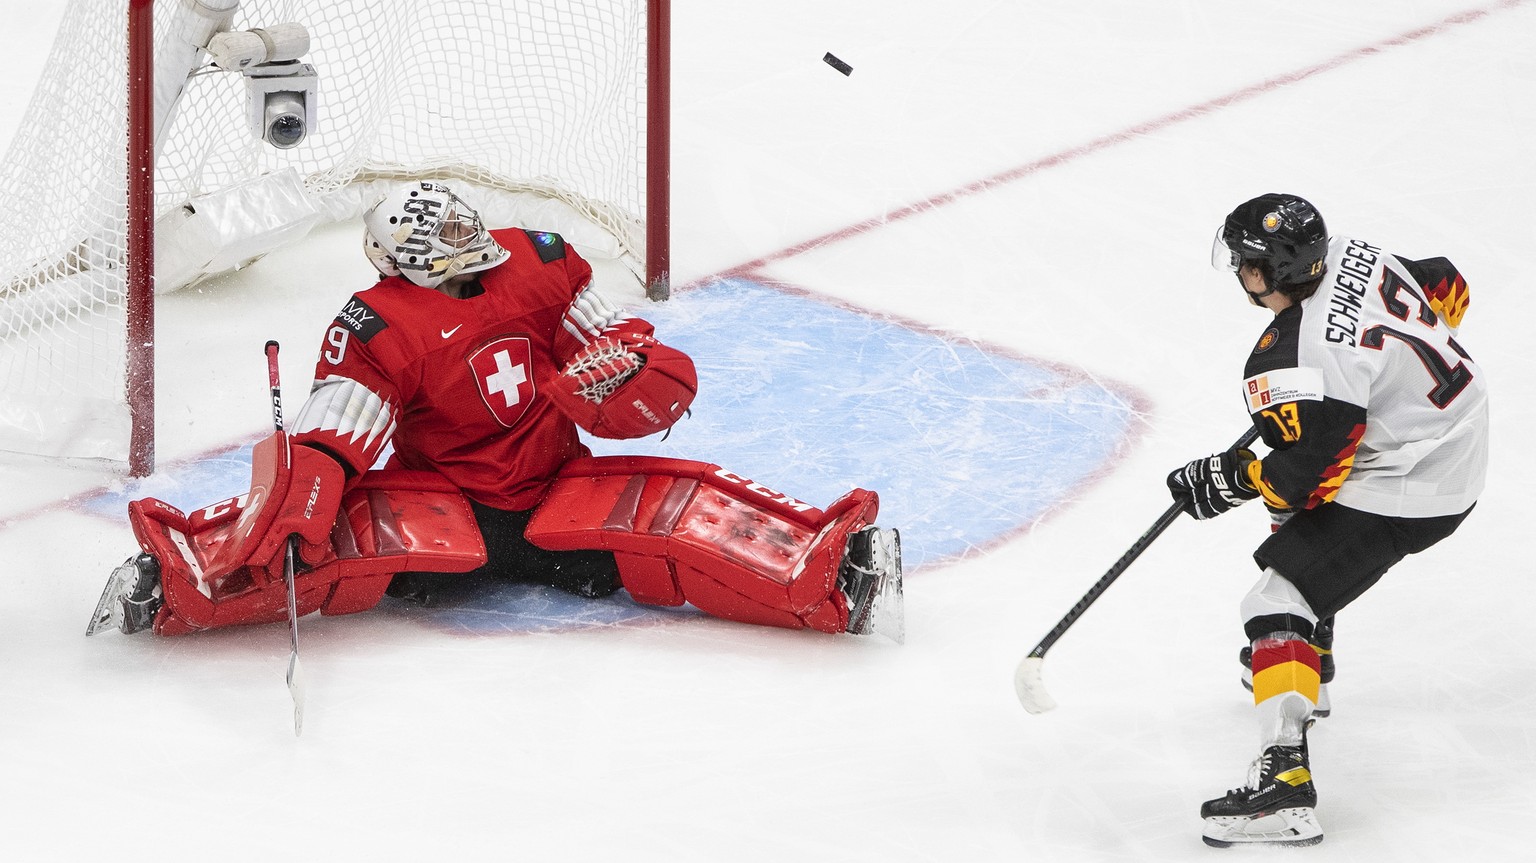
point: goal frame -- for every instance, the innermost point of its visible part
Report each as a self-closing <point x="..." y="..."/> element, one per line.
<point x="140" y="240"/>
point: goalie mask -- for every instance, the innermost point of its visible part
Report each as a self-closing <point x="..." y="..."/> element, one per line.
<point x="426" y="233"/>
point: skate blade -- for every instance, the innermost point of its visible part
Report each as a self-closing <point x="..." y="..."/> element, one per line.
<point x="891" y="604"/>
<point x="1283" y="827"/>
<point x="887" y="617"/>
<point x="109" y="612"/>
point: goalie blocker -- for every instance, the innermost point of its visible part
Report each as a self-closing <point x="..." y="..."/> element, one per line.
<point x="681" y="532"/>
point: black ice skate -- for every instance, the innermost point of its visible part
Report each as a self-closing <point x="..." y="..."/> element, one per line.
<point x="131" y="598"/>
<point x="870" y="578"/>
<point x="1276" y="807"/>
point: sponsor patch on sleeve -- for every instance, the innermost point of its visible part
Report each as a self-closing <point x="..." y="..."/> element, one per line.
<point x="363" y="321"/>
<point x="550" y="246"/>
<point x="1283" y="385"/>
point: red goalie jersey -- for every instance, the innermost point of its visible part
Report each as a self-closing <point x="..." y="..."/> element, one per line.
<point x="471" y="387"/>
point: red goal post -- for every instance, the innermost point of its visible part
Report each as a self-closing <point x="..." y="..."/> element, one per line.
<point x="145" y="133"/>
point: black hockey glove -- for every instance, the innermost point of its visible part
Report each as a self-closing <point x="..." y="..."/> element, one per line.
<point x="1210" y="486"/>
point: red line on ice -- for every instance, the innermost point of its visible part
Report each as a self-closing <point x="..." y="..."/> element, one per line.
<point x="1128" y="134"/>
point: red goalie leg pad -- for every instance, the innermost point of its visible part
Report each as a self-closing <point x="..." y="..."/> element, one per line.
<point x="399" y="521"/>
<point x="217" y="571"/>
<point x="687" y="531"/>
<point x="214" y="560"/>
<point x="197" y="597"/>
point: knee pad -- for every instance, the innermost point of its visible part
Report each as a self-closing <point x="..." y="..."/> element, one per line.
<point x="1273" y="605"/>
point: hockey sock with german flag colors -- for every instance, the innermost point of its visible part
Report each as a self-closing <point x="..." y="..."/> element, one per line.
<point x="1285" y="665"/>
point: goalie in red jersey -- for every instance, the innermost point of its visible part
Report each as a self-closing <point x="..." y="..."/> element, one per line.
<point x="477" y="355"/>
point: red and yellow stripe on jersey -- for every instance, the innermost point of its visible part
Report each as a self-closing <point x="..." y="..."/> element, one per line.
<point x="1334" y="475"/>
<point x="1449" y="297"/>
<point x="1329" y="478"/>
<point x="1285" y="666"/>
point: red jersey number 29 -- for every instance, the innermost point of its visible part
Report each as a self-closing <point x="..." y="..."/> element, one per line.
<point x="336" y="345"/>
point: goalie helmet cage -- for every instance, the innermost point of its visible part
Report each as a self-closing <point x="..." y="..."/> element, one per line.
<point x="559" y="108"/>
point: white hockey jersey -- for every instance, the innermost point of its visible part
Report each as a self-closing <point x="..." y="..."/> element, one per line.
<point x="1364" y="394"/>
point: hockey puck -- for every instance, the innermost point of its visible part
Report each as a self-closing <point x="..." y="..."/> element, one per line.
<point x="837" y="64"/>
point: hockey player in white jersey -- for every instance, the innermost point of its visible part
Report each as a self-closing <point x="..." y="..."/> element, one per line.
<point x="1377" y="422"/>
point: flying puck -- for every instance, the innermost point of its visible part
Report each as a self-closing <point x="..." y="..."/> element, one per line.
<point x="838" y="64"/>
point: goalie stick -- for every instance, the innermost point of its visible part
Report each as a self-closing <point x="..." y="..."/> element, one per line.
<point x="1027" y="681"/>
<point x="290" y="551"/>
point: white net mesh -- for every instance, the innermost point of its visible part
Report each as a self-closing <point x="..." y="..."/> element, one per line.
<point x="539" y="97"/>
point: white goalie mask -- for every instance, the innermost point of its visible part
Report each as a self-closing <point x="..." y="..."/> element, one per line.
<point x="426" y="233"/>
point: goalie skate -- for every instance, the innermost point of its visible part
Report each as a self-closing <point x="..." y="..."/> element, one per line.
<point x="871" y="581"/>
<point x="131" y="598"/>
<point x="1276" y="807"/>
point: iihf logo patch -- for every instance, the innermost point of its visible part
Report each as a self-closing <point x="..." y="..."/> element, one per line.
<point x="1268" y="340"/>
<point x="550" y="246"/>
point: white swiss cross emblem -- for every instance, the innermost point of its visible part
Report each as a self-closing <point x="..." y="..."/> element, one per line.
<point x="502" y="372"/>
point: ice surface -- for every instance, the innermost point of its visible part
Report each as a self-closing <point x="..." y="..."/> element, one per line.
<point x="1017" y="192"/>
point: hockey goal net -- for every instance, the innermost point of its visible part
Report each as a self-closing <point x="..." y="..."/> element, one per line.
<point x="550" y="107"/>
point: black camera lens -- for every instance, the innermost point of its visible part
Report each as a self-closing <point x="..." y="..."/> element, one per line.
<point x="286" y="130"/>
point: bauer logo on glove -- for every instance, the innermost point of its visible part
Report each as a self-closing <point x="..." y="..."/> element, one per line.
<point x="1208" y="487"/>
<point x="625" y="385"/>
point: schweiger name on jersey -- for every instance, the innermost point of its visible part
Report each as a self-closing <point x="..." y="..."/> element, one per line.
<point x="1321" y="385"/>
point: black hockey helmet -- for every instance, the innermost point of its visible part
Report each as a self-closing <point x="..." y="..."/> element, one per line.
<point x="1283" y="234"/>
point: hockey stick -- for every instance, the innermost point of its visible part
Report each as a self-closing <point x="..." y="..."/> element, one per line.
<point x="1027" y="680"/>
<point x="295" y="671"/>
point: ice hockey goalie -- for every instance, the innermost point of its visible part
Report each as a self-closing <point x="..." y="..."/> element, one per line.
<point x="440" y="441"/>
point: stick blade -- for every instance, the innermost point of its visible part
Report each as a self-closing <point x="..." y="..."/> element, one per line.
<point x="295" y="671"/>
<point x="296" y="689"/>
<point x="1030" y="686"/>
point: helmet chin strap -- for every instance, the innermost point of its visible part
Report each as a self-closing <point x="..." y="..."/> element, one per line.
<point x="1255" y="298"/>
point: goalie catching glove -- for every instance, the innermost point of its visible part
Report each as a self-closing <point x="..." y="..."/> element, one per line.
<point x="1208" y="487"/>
<point x="625" y="385"/>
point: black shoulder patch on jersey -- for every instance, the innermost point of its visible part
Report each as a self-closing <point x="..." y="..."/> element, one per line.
<point x="1430" y="271"/>
<point x="1278" y="347"/>
<point x="549" y="245"/>
<point x="362" y="320"/>
<point x="1270" y="338"/>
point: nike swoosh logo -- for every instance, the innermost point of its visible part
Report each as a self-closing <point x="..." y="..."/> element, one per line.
<point x="447" y="333"/>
